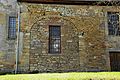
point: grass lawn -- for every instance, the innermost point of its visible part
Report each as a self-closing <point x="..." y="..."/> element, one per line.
<point x="65" y="76"/>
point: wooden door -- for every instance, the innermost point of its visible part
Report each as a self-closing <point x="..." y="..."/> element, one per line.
<point x="115" y="61"/>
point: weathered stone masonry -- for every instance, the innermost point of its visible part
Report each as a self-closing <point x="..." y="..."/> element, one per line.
<point x="85" y="43"/>
<point x="83" y="38"/>
<point x="7" y="46"/>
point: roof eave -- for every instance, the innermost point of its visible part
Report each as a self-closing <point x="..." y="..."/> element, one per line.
<point x="74" y="2"/>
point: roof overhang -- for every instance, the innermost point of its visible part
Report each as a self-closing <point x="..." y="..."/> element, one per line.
<point x="75" y="2"/>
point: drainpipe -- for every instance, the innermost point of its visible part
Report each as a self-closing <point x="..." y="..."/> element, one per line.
<point x="18" y="37"/>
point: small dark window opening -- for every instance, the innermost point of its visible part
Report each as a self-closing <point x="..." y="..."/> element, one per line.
<point x="54" y="39"/>
<point x="113" y="23"/>
<point x="12" y="28"/>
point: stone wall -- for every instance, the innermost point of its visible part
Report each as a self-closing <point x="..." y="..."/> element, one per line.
<point x="85" y="43"/>
<point x="7" y="47"/>
<point x="83" y="37"/>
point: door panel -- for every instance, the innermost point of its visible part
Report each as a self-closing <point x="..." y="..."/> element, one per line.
<point x="115" y="61"/>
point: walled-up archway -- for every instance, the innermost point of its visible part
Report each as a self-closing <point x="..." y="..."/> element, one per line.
<point x="40" y="59"/>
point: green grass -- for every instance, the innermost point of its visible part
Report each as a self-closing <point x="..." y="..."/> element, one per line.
<point x="65" y="76"/>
